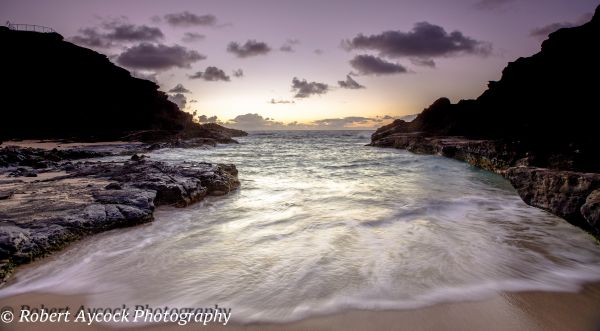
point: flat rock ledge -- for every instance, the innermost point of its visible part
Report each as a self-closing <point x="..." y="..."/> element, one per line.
<point x="39" y="215"/>
<point x="574" y="196"/>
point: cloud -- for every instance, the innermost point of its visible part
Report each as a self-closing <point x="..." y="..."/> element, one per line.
<point x="349" y="83"/>
<point x="179" y="89"/>
<point x="206" y="119"/>
<point x="280" y="101"/>
<point x="90" y="37"/>
<point x="423" y="62"/>
<point x="288" y="46"/>
<point x="187" y="19"/>
<point x="211" y="74"/>
<point x="425" y="40"/>
<point x="372" y="65"/>
<point x="190" y="37"/>
<point x="114" y="33"/>
<point x="254" y="122"/>
<point x="491" y="4"/>
<point x="250" y="48"/>
<point x="193" y="101"/>
<point x="544" y="31"/>
<point x="239" y="73"/>
<point x="158" y="57"/>
<point x="179" y="99"/>
<point x="318" y="51"/>
<point x="132" y="33"/>
<point x="151" y="76"/>
<point x="342" y="122"/>
<point x="305" y="89"/>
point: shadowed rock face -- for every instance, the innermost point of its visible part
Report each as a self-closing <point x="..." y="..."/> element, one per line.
<point x="537" y="126"/>
<point x="55" y="89"/>
<point x="41" y="216"/>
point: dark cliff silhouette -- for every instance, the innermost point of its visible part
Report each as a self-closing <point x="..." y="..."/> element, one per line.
<point x="546" y="104"/>
<point x="54" y="89"/>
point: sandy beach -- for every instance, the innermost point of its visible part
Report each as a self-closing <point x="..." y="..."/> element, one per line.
<point x="505" y="311"/>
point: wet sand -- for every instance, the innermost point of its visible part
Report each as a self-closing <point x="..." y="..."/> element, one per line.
<point x="545" y="311"/>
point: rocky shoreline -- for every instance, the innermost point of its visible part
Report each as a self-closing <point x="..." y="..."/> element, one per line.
<point x="536" y="126"/>
<point x="572" y="195"/>
<point x="50" y="198"/>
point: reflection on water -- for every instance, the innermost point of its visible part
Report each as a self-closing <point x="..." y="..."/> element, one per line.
<point x="323" y="223"/>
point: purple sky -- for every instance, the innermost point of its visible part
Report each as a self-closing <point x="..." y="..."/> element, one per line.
<point x="356" y="63"/>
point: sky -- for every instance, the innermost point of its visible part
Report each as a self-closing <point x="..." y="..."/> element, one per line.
<point x="279" y="64"/>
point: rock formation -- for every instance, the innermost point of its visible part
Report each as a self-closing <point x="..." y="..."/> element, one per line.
<point x="537" y="126"/>
<point x="55" y="89"/>
<point x="74" y="200"/>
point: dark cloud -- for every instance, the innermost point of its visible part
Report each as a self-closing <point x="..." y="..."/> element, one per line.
<point x="288" y="46"/>
<point x="544" y="31"/>
<point x="179" y="99"/>
<point x="179" y="88"/>
<point x="132" y="33"/>
<point x="239" y="73"/>
<point x="187" y="19"/>
<point x="423" y="62"/>
<point x="349" y="83"/>
<point x="254" y="122"/>
<point x="425" y="40"/>
<point x="211" y="74"/>
<point x="91" y="37"/>
<point x="491" y="4"/>
<point x="114" y="33"/>
<point x="158" y="57"/>
<point x="206" y="119"/>
<point x="372" y="65"/>
<point x="193" y="101"/>
<point x="318" y="51"/>
<point x="280" y="101"/>
<point x="250" y="48"/>
<point x="305" y="89"/>
<point x="190" y="37"/>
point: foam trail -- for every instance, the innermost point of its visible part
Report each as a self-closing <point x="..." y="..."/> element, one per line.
<point x="324" y="224"/>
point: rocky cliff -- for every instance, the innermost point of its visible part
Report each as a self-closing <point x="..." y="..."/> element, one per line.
<point x="54" y="89"/>
<point x="537" y="126"/>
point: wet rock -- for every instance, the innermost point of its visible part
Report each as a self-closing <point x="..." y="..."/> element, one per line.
<point x="563" y="193"/>
<point x="23" y="172"/>
<point x="591" y="210"/>
<point x="517" y="128"/>
<point x="95" y="197"/>
<point x="6" y="194"/>
<point x="113" y="186"/>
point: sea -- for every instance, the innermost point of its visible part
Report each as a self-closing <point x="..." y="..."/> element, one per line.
<point x="321" y="224"/>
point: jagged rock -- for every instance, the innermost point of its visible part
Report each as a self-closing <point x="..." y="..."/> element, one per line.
<point x="95" y="197"/>
<point x="562" y="193"/>
<point x="591" y="209"/>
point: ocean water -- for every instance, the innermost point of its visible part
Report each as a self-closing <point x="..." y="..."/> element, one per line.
<point x="322" y="224"/>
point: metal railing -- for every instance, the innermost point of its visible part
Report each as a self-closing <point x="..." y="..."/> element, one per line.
<point x="29" y="27"/>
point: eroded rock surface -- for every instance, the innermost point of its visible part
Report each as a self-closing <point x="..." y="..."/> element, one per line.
<point x="75" y="200"/>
